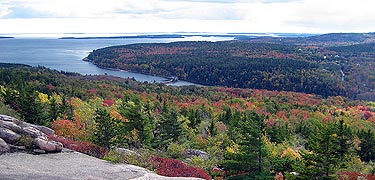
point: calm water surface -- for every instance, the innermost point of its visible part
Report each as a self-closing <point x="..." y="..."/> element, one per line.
<point x="67" y="54"/>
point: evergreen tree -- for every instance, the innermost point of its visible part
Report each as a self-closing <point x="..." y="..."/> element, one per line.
<point x="328" y="146"/>
<point x="169" y="128"/>
<point x="367" y="144"/>
<point x="105" y="129"/>
<point x="194" y="118"/>
<point x="251" y="153"/>
<point x="140" y="121"/>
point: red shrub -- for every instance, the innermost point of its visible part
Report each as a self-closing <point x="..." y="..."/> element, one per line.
<point x="83" y="147"/>
<point x="176" y="168"/>
<point x="108" y="102"/>
<point x="345" y="175"/>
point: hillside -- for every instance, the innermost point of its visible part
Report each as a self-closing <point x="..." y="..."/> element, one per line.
<point x="316" y="64"/>
<point x="215" y="131"/>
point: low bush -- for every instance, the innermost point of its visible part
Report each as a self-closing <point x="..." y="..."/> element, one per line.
<point x="176" y="168"/>
<point x="80" y="146"/>
<point x="346" y="175"/>
<point x="141" y="157"/>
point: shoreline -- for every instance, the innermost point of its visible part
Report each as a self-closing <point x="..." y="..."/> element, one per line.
<point x="168" y="80"/>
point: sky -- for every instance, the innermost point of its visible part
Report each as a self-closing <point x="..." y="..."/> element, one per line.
<point x="220" y="16"/>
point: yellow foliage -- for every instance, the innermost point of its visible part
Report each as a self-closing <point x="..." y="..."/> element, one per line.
<point x="116" y="115"/>
<point x="134" y="135"/>
<point x="43" y="97"/>
<point x="290" y="153"/>
<point x="233" y="149"/>
<point x="2" y="89"/>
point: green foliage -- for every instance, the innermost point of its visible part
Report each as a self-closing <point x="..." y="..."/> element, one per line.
<point x="142" y="157"/>
<point x="175" y="151"/>
<point x="367" y="144"/>
<point x="194" y="117"/>
<point x="27" y="141"/>
<point x="328" y="149"/>
<point x="251" y="155"/>
<point x="105" y="129"/>
<point x="6" y="110"/>
<point x="139" y="121"/>
<point x="169" y="128"/>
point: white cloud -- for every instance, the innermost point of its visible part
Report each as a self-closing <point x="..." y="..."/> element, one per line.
<point x="197" y="15"/>
<point x="4" y="8"/>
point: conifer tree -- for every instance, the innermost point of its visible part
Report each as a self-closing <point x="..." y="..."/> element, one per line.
<point x="169" y="128"/>
<point x="327" y="148"/>
<point x="105" y="129"/>
<point x="367" y="144"/>
<point x="251" y="155"/>
<point x="139" y="121"/>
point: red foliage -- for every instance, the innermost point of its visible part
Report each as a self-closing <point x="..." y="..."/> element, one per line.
<point x="176" y="168"/>
<point x="83" y="147"/>
<point x="92" y="91"/>
<point x="367" y="114"/>
<point x="345" y="175"/>
<point x="282" y="115"/>
<point x="108" y="102"/>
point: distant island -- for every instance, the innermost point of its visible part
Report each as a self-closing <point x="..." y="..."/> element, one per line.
<point x="130" y="37"/>
<point x="237" y="36"/>
<point x="5" y="37"/>
<point x="159" y="36"/>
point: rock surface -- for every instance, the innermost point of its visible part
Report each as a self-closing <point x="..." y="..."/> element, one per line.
<point x="4" y="147"/>
<point x="197" y="153"/>
<point x="16" y="133"/>
<point x="70" y="165"/>
<point x="9" y="136"/>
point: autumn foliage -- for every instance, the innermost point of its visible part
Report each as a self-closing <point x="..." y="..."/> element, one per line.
<point x="345" y="175"/>
<point x="83" y="147"/>
<point x="175" y="168"/>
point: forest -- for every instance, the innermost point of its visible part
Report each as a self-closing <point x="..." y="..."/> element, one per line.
<point x="325" y="65"/>
<point x="239" y="133"/>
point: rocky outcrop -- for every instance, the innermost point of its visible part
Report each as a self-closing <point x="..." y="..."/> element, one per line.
<point x="197" y="153"/>
<point x="18" y="135"/>
<point x="3" y="146"/>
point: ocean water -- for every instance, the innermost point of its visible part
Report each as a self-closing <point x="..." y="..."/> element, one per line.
<point x="67" y="54"/>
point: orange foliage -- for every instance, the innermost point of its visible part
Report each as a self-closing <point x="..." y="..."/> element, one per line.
<point x="66" y="128"/>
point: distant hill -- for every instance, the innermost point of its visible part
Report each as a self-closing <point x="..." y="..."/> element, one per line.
<point x="12" y="65"/>
<point x="332" y="39"/>
<point x="315" y="64"/>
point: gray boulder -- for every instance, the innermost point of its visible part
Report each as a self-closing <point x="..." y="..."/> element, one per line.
<point x="45" y="130"/>
<point x="197" y="153"/>
<point x="8" y="135"/>
<point x="48" y="146"/>
<point x="7" y="118"/>
<point x="33" y="132"/>
<point x="3" y="146"/>
<point x="10" y="125"/>
<point x="16" y="134"/>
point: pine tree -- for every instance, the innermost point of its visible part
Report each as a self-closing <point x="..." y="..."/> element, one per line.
<point x="328" y="146"/>
<point x="366" y="151"/>
<point x="105" y="129"/>
<point x="194" y="118"/>
<point x="139" y="120"/>
<point x="169" y="128"/>
<point x="251" y="155"/>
